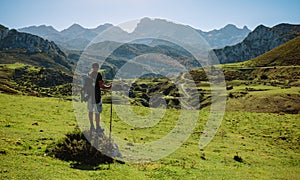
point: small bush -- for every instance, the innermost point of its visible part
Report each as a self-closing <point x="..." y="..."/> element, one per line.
<point x="77" y="148"/>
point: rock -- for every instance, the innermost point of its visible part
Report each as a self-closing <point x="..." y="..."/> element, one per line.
<point x="229" y="87"/>
<point x="36" y="50"/>
<point x="261" y="40"/>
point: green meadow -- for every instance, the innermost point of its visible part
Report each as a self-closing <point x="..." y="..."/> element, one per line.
<point x="247" y="145"/>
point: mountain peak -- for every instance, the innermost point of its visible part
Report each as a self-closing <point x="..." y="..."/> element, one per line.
<point x="230" y="26"/>
<point x="45" y="26"/>
<point x="260" y="27"/>
<point x="75" y="26"/>
<point x="3" y="27"/>
<point x="102" y="27"/>
<point x="234" y="28"/>
<point x="246" y="28"/>
<point x="41" y="30"/>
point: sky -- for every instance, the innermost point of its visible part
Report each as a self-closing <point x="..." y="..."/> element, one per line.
<point x="205" y="15"/>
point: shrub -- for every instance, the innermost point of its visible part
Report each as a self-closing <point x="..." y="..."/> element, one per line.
<point x="77" y="148"/>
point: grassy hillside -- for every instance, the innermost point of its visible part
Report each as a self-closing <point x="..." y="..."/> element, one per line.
<point x="287" y="54"/>
<point x="24" y="79"/>
<point x="268" y="145"/>
<point x="42" y="59"/>
<point x="258" y="89"/>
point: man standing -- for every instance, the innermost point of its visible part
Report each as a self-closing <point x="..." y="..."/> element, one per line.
<point x="94" y="101"/>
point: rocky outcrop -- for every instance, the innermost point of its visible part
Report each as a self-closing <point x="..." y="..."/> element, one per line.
<point x="261" y="40"/>
<point x="12" y="39"/>
<point x="3" y="32"/>
<point x="31" y="49"/>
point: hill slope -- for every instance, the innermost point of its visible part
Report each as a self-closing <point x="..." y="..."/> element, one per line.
<point x="31" y="49"/>
<point x="34" y="81"/>
<point x="261" y="40"/>
<point x="284" y="55"/>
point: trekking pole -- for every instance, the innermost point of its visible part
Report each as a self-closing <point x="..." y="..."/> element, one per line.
<point x="110" y="124"/>
<point x="110" y="120"/>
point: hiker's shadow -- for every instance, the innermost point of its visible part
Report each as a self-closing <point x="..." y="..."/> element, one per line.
<point x="86" y="150"/>
<point x="90" y="156"/>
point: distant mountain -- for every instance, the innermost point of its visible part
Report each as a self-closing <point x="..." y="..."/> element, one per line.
<point x="229" y="35"/>
<point x="31" y="49"/>
<point x="226" y="36"/>
<point x="47" y="32"/>
<point x="287" y="54"/>
<point x="77" y="37"/>
<point x="76" y="31"/>
<point x="155" y="58"/>
<point x="261" y="40"/>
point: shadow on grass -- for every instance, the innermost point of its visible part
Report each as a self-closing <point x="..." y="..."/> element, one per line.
<point x="77" y="165"/>
<point x="81" y="149"/>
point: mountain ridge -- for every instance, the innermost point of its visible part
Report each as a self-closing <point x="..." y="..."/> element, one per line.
<point x="23" y="47"/>
<point x="287" y="54"/>
<point x="226" y="36"/>
<point x="215" y="38"/>
<point x="262" y="39"/>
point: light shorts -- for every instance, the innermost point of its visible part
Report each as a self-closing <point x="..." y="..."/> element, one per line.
<point x="97" y="108"/>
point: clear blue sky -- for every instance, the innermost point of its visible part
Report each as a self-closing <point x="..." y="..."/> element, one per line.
<point x="200" y="14"/>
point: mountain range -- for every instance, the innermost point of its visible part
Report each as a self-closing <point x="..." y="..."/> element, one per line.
<point x="261" y="40"/>
<point x="77" y="37"/>
<point x="226" y="36"/>
<point x="31" y="49"/>
<point x="43" y="59"/>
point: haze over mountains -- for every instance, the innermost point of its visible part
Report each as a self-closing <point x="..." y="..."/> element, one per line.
<point x="27" y="48"/>
<point x="77" y="37"/>
<point x="42" y="59"/>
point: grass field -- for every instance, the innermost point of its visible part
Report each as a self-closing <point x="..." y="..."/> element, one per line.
<point x="268" y="145"/>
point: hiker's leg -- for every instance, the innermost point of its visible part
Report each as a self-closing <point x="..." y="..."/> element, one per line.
<point x="97" y="118"/>
<point x="98" y="110"/>
<point x="90" y="109"/>
<point x="91" y="118"/>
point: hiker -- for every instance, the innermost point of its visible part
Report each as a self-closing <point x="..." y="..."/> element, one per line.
<point x="94" y="102"/>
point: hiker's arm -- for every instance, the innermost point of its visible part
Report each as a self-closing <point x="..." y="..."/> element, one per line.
<point x="103" y="86"/>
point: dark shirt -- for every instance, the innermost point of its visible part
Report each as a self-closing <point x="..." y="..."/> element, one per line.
<point x="97" y="91"/>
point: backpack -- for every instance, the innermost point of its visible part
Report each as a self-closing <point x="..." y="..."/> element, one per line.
<point x="87" y="87"/>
